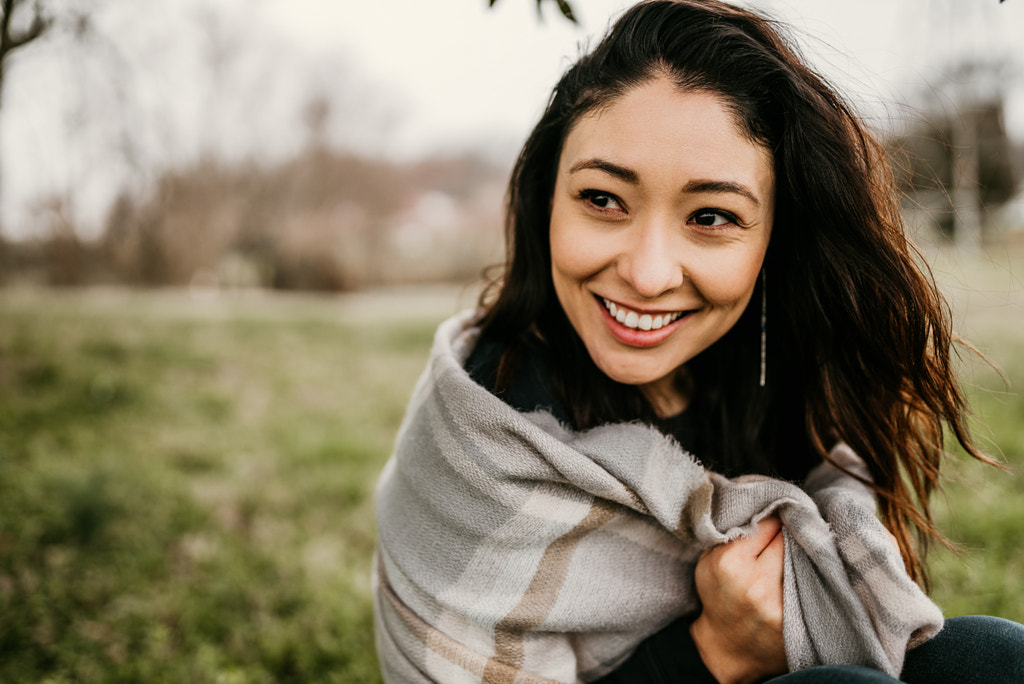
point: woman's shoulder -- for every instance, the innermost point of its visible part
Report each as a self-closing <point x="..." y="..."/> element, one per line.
<point x="530" y="386"/>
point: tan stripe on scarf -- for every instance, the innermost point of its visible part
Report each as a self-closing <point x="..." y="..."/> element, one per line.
<point x="541" y="595"/>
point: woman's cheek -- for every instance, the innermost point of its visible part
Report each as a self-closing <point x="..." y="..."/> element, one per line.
<point x="573" y="252"/>
<point x="730" y="282"/>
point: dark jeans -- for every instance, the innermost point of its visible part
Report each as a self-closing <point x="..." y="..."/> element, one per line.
<point x="975" y="649"/>
<point x="968" y="650"/>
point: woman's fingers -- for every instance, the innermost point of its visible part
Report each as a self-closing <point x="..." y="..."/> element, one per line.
<point x="759" y="555"/>
<point x="766" y="533"/>
<point x="740" y="587"/>
<point x="774" y="552"/>
<point x="746" y="571"/>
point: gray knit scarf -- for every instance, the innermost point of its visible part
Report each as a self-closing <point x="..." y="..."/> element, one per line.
<point x="514" y="550"/>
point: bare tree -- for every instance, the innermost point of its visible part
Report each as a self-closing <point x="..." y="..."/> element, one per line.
<point x="11" y="40"/>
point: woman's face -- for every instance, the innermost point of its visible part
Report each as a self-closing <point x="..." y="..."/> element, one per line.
<point x="660" y="219"/>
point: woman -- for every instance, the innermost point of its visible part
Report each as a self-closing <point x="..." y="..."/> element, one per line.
<point x="705" y="257"/>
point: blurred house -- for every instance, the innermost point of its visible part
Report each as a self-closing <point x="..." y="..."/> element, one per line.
<point x="322" y="221"/>
<point x="956" y="164"/>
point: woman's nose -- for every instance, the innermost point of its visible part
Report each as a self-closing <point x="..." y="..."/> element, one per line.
<point x="651" y="263"/>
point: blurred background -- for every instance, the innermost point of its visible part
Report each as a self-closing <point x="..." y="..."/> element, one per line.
<point x="228" y="229"/>
<point x="319" y="145"/>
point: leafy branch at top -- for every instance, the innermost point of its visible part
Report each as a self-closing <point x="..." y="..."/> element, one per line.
<point x="563" y="6"/>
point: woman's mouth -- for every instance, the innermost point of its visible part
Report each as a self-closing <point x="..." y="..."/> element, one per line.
<point x="640" y="329"/>
<point x="636" y="320"/>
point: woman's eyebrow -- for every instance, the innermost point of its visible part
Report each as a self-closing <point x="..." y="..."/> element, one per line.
<point x="621" y="172"/>
<point x="718" y="186"/>
<point x="628" y="175"/>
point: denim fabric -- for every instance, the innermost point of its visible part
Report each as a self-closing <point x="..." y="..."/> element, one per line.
<point x="976" y="649"/>
<point x="969" y="650"/>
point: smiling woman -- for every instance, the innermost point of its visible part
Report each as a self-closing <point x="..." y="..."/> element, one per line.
<point x="655" y="451"/>
<point x="660" y="220"/>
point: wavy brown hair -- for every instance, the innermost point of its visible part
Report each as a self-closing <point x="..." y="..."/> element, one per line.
<point x="859" y="337"/>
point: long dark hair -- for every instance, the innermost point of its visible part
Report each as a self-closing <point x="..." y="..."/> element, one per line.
<point x="859" y="338"/>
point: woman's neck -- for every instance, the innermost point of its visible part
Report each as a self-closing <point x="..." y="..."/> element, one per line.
<point x="670" y="395"/>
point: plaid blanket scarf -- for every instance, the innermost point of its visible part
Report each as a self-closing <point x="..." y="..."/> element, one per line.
<point x="511" y="549"/>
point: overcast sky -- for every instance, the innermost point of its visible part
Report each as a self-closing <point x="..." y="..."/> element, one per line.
<point x="464" y="69"/>
<point x="406" y="78"/>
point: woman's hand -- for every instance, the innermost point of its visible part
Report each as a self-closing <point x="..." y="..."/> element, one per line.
<point x="739" y="631"/>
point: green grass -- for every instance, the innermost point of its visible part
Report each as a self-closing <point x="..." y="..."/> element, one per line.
<point x="983" y="507"/>
<point x="186" y="483"/>
<point x="185" y="486"/>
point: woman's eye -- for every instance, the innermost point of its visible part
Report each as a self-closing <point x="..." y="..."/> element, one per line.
<point x="601" y="200"/>
<point x="713" y="218"/>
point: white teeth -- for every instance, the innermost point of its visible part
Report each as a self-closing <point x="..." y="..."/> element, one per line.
<point x="634" y="320"/>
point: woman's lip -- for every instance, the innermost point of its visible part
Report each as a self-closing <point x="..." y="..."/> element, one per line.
<point x="635" y="337"/>
<point x="640" y="309"/>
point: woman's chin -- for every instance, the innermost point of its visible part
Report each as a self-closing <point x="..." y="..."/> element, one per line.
<point x="630" y="375"/>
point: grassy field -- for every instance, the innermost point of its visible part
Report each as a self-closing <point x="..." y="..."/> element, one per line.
<point x="186" y="479"/>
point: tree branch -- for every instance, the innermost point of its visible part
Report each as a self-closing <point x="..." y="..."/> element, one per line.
<point x="5" y="24"/>
<point x="8" y="42"/>
<point x="563" y="6"/>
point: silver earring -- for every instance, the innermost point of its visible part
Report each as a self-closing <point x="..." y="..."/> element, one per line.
<point x="764" y="324"/>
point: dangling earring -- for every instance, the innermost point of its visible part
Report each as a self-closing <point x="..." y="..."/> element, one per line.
<point x="764" y="324"/>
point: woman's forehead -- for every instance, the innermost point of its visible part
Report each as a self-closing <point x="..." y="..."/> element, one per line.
<point x="657" y="128"/>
